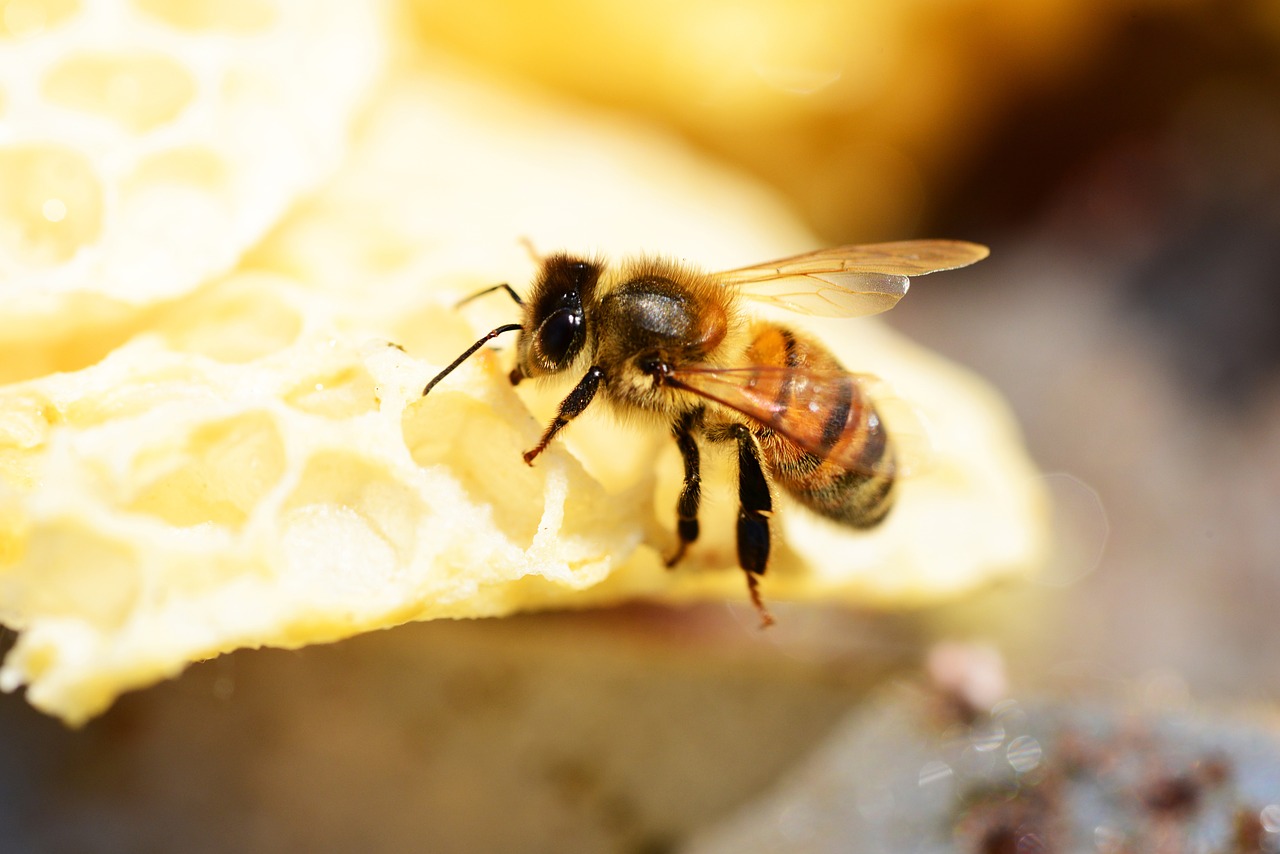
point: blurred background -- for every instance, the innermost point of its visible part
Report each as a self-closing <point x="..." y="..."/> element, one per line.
<point x="1121" y="158"/>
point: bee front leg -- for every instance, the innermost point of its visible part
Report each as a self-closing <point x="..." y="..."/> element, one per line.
<point x="570" y="408"/>
<point x="691" y="492"/>
<point x="755" y="504"/>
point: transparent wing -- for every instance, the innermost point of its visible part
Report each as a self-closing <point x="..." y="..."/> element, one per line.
<point x="827" y="413"/>
<point x="849" y="281"/>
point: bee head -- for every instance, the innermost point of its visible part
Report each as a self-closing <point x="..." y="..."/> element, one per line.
<point x="555" y="327"/>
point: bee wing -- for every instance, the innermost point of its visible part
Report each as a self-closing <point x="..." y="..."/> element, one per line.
<point x="827" y="413"/>
<point x="849" y="281"/>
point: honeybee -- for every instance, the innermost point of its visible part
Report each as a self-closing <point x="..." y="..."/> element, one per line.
<point x="656" y="337"/>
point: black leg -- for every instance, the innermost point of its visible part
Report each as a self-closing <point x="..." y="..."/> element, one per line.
<point x="691" y="492"/>
<point x="755" y="503"/>
<point x="570" y="408"/>
<point x="502" y="287"/>
<point x="510" y="327"/>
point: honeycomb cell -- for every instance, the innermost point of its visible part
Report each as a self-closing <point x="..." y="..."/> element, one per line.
<point x="237" y="16"/>
<point x="219" y="476"/>
<point x="349" y="519"/>
<point x="56" y="577"/>
<point x="345" y="394"/>
<point x="50" y="205"/>
<point x="79" y="332"/>
<point x="192" y="166"/>
<point x="345" y="480"/>
<point x="25" y="18"/>
<point x="482" y="450"/>
<point x="234" y="321"/>
<point x="25" y="421"/>
<point x="140" y="91"/>
<point x="138" y="395"/>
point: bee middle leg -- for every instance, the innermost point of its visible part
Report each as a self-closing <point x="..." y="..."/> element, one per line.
<point x="691" y="491"/>
<point x="755" y="504"/>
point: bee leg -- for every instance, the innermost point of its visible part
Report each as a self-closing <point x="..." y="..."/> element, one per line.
<point x="570" y="408"/>
<point x="502" y="287"/>
<point x="755" y="504"/>
<point x="691" y="492"/>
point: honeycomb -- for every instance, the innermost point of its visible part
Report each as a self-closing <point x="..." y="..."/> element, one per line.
<point x="249" y="461"/>
<point x="145" y="145"/>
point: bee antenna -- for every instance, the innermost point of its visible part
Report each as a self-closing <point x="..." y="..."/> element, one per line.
<point x="509" y="327"/>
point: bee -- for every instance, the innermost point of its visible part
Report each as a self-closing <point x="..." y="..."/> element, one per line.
<point x="658" y="338"/>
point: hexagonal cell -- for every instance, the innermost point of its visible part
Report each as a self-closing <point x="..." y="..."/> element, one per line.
<point x="67" y="569"/>
<point x="238" y="16"/>
<point x="348" y="393"/>
<point x="235" y="320"/>
<point x="140" y="91"/>
<point x="218" y="476"/>
<point x="25" y="421"/>
<point x="64" y="335"/>
<point x="146" y="388"/>
<point x="25" y="18"/>
<point x="348" y="519"/>
<point x="50" y="205"/>
<point x="192" y="166"/>
<point x="482" y="451"/>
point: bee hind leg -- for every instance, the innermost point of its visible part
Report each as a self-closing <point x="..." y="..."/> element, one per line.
<point x="755" y="504"/>
<point x="753" y="588"/>
<point x="691" y="491"/>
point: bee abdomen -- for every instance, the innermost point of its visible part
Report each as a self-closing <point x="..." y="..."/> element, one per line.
<point x="847" y="473"/>
<point x="859" y="497"/>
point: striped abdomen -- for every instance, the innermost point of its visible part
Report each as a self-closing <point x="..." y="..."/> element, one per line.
<point x="836" y="457"/>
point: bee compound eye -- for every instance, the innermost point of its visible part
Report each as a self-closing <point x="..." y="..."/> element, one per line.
<point x="558" y="336"/>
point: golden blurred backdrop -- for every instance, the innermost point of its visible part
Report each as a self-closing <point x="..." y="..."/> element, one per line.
<point x="870" y="117"/>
